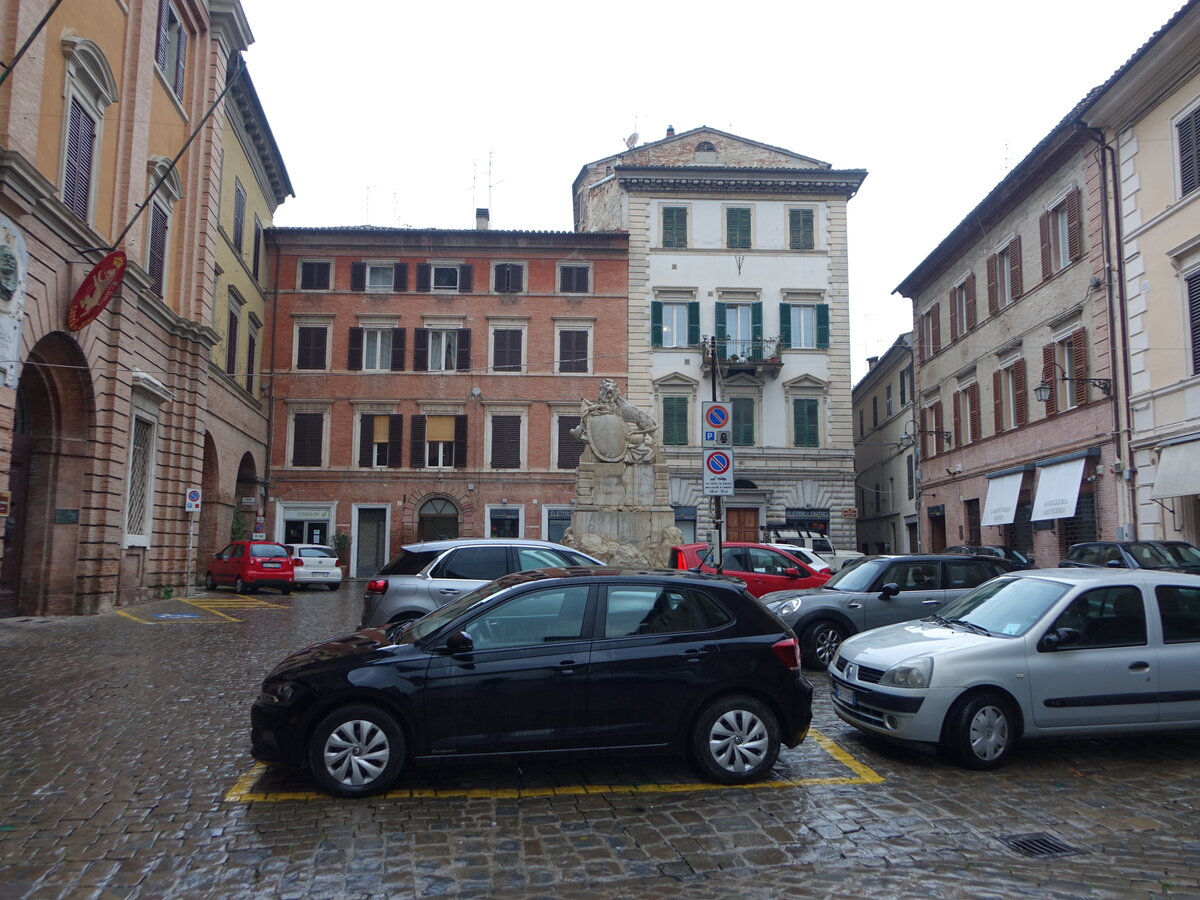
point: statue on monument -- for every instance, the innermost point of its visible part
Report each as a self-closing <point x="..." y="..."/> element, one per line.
<point x="615" y="429"/>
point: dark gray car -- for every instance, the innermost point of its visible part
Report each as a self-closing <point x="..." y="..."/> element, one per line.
<point x="878" y="590"/>
<point x="429" y="575"/>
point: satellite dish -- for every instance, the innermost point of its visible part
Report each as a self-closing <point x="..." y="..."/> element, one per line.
<point x="632" y="140"/>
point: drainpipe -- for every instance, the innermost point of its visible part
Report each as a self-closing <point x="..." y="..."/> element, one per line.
<point x="269" y="389"/>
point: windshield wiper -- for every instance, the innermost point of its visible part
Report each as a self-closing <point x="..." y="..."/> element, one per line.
<point x="970" y="626"/>
<point x="936" y="618"/>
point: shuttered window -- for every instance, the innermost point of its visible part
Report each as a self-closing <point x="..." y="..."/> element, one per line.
<point x="171" y="49"/>
<point x="675" y="421"/>
<point x="506" y="442"/>
<point x="1188" y="131"/>
<point x="314" y="276"/>
<point x="510" y="278"/>
<point x="572" y="351"/>
<point x="251" y="353"/>
<point x="506" y="349"/>
<point x="77" y="171"/>
<point x="256" y="258"/>
<point x="805" y="430"/>
<point x="1193" y="289"/>
<point x="801" y="232"/>
<point x="573" y="279"/>
<point x="742" y="409"/>
<point x="307" y="434"/>
<point x="156" y="263"/>
<point x="239" y="215"/>
<point x="569" y="447"/>
<point x="737" y="228"/>
<point x="674" y="226"/>
<point x="231" y="342"/>
<point x="310" y="346"/>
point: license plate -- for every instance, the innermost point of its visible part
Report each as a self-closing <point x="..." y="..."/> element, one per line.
<point x="845" y="694"/>
<point x="270" y="565"/>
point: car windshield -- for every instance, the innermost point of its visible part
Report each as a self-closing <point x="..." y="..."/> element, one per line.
<point x="409" y="562"/>
<point x="1183" y="554"/>
<point x="427" y="625"/>
<point x="323" y="552"/>
<point x="1151" y="556"/>
<point x="1009" y="606"/>
<point x="858" y="578"/>
<point x="1015" y="555"/>
<point x="267" y="550"/>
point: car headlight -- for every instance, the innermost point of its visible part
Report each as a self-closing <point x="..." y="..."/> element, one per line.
<point x="912" y="673"/>
<point x="787" y="607"/>
<point x="279" y="693"/>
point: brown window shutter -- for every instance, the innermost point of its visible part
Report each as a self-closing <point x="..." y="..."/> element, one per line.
<point x="939" y="425"/>
<point x="936" y="329"/>
<point x="400" y="277"/>
<point x="506" y="442"/>
<point x="971" y="320"/>
<point x="959" y="400"/>
<point x="460" y="442"/>
<point x="465" y="279"/>
<point x="399" y="343"/>
<point x="998" y="401"/>
<point x="355" y="361"/>
<point x="1048" y="376"/>
<point x="922" y="428"/>
<point x="416" y="456"/>
<point x="1044" y="233"/>
<point x="975" y="424"/>
<point x="569" y="447"/>
<point x="1021" y="400"/>
<point x="366" y="440"/>
<point x="1074" y="234"/>
<point x="358" y="276"/>
<point x="1014" y="267"/>
<point x="395" y="451"/>
<point x="420" y="349"/>
<point x="1079" y="362"/>
<point x="462" y="359"/>
<point x="955" y="325"/>
<point x="993" y="287"/>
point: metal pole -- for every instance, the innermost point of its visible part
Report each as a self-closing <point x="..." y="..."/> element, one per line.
<point x="29" y="40"/>
<point x="717" y="499"/>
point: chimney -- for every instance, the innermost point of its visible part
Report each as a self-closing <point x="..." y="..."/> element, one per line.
<point x="670" y="131"/>
<point x="871" y="362"/>
<point x="481" y="220"/>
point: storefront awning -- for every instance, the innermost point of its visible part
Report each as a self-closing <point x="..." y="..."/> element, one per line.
<point x="1001" y="505"/>
<point x="1178" y="472"/>
<point x="1058" y="490"/>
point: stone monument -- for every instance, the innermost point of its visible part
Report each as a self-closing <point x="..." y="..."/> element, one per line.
<point x="622" y="509"/>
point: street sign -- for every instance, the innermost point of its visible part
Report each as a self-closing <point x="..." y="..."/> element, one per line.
<point x="716" y="422"/>
<point x="718" y="473"/>
<point x="192" y="501"/>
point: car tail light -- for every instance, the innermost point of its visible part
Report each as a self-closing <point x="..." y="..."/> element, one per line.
<point x="378" y="586"/>
<point x="788" y="651"/>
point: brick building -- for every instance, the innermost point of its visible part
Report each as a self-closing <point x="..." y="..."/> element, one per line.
<point x="423" y="383"/>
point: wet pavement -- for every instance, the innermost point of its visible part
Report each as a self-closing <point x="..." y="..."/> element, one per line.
<point x="125" y="773"/>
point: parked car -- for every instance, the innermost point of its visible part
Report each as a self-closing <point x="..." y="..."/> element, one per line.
<point x="1017" y="558"/>
<point x="315" y="564"/>
<point x="874" y="591"/>
<point x="762" y="567"/>
<point x="1040" y="653"/>
<point x="806" y="556"/>
<point x="548" y="661"/>
<point x="1174" y="555"/>
<point x="425" y="576"/>
<point x="818" y="543"/>
<point x="250" y="565"/>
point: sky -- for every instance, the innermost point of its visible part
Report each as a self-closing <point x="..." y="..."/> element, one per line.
<point x="415" y="114"/>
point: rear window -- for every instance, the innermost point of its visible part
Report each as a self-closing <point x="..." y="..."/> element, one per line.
<point x="267" y="550"/>
<point x="409" y="562"/>
<point x="321" y="552"/>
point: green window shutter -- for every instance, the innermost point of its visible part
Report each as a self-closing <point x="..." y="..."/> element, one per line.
<point x="656" y="328"/>
<point x="721" y="332"/>
<point x="737" y="228"/>
<point x="823" y="326"/>
<point x="785" y="325"/>
<point x="743" y="421"/>
<point x="756" y="326"/>
<point x="674" y="226"/>
<point x="805" y="431"/>
<point x="693" y="323"/>
<point x="800" y="229"/>
<point x="675" y="420"/>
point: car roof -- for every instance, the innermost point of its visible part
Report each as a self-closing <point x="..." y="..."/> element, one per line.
<point x="322" y="546"/>
<point x="649" y="574"/>
<point x="447" y="543"/>
<point x="1103" y="574"/>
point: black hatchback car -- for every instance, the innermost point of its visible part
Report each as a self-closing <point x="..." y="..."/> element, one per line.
<point x="552" y="660"/>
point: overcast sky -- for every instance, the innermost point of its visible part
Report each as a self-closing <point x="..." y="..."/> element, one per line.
<point x="407" y="114"/>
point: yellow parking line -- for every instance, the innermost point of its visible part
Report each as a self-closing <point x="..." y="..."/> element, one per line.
<point x="244" y="791"/>
<point x="212" y="605"/>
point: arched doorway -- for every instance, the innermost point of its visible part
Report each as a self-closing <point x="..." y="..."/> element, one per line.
<point x="48" y="478"/>
<point x="437" y="520"/>
<point x="246" y="515"/>
<point x="214" y="511"/>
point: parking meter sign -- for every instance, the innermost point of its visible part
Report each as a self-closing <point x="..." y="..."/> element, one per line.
<point x="718" y="473"/>
<point x="717" y="425"/>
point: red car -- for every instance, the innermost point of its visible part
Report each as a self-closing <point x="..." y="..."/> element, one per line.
<point x="764" y="568"/>
<point x="249" y="565"/>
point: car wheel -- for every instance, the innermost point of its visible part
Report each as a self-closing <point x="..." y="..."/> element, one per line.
<point x="210" y="583"/>
<point x="819" y="643"/>
<point x="357" y="751"/>
<point x="735" y="740"/>
<point x="285" y="590"/>
<point x="239" y="586"/>
<point x="980" y="731"/>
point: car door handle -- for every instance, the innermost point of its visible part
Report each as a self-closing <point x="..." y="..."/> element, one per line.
<point x="930" y="602"/>
<point x="1139" y="666"/>
<point x="449" y="592"/>
<point x="695" y="655"/>
<point x="854" y="605"/>
<point x="567" y="667"/>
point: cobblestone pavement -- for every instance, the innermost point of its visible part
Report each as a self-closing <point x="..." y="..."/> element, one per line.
<point x="125" y="773"/>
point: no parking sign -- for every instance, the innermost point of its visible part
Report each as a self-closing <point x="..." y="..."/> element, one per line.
<point x="718" y="473"/>
<point x="191" y="502"/>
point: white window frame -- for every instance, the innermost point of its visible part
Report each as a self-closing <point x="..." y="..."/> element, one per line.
<point x="561" y="325"/>
<point x="502" y="409"/>
<point x="546" y="510"/>
<point x="389" y="270"/>
<point x="299" y="322"/>
<point x="575" y="264"/>
<point x="447" y="340"/>
<point x="1004" y="292"/>
<point x="1064" y="356"/>
<point x="964" y="411"/>
<point x="367" y="409"/>
<point x="381" y="337"/>
<point x="962" y="301"/>
<point x="434" y="268"/>
<point x="326" y="411"/>
<point x="741" y="343"/>
<point x="1060" y="232"/>
<point x="88" y="80"/>
<point x="678" y="333"/>
<point x="300" y="275"/>
<point x="521" y="325"/>
<point x="725" y="208"/>
<point x="489" y="508"/>
<point x="658" y="224"/>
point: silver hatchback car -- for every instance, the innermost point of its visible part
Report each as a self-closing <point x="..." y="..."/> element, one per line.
<point x="426" y="576"/>
<point x="1037" y="653"/>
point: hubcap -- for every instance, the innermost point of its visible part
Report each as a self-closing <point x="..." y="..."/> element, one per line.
<point x="828" y="640"/>
<point x="356" y="752"/>
<point x="989" y="733"/>
<point x="738" y="741"/>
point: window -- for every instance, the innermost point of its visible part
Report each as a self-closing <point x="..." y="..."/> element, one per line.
<point x="910" y="471"/>
<point x="91" y="89"/>
<point x="557" y="520"/>
<point x="439" y="442"/>
<point x="887" y="402"/>
<point x="535" y="619"/>
<point x="633" y="610"/>
<point x="256" y="258"/>
<point x="905" y="385"/>
<point x="315" y="275"/>
<point x="79" y="160"/>
<point x="379" y="440"/>
<point x="442" y="349"/>
<point x="675" y="421"/>
<point x="1107" y="617"/>
<point x="310" y="346"/>
<point x="231" y="337"/>
<point x="1059" y="231"/>
<point x="573" y="279"/>
<point x="806" y="430"/>
<point x="371" y="349"/>
<point x="506" y="442"/>
<point x="674" y="323"/>
<point x="1009" y="397"/>
<point x="739" y="329"/>
<point x="737" y="228"/>
<point x="445" y="277"/>
<point x="1193" y="301"/>
<point x="742" y="409"/>
<point x="1179" y="609"/>
<point x="674" y="226"/>
<point x="931" y="427"/>
<point x="239" y="215"/>
<point x="931" y="332"/>
<point x="156" y="251"/>
<point x="139" y="504"/>
<point x="801" y="233"/>
<point x="504" y="521"/>
<point x="1188" y="132"/>
<point x="966" y="414"/>
<point x="573" y="350"/>
<point x="308" y="438"/>
<point x="804" y="326"/>
<point x="251" y="358"/>
<point x="1004" y="276"/>
<point x="171" y="49"/>
<point x="962" y="307"/>
<point x="1064" y="366"/>
<point x="875" y="411"/>
<point x="510" y="278"/>
<point x="506" y="349"/>
<point x="569" y="447"/>
<point x="379" y="277"/>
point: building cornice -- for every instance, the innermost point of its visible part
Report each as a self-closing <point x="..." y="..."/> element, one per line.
<point x="719" y="180"/>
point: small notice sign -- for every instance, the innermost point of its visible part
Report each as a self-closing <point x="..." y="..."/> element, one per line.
<point x="191" y="502"/>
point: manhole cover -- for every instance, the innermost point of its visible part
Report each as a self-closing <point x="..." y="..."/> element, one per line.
<point x="1038" y="845"/>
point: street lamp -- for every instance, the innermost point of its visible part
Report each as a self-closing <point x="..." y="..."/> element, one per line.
<point x="1044" y="389"/>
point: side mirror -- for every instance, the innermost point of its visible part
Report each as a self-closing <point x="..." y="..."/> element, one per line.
<point x="460" y="643"/>
<point x="889" y="590"/>
<point x="1116" y="564"/>
<point x="1060" y="638"/>
<point x="792" y="573"/>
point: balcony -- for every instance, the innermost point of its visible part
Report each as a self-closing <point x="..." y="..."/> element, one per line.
<point x="757" y="358"/>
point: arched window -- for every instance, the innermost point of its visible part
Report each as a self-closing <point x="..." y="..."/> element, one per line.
<point x="158" y="227"/>
<point x="437" y="520"/>
<point x="90" y="88"/>
<point x="705" y="147"/>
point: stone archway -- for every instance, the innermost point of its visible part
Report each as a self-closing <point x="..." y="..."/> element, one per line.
<point x="438" y="518"/>
<point x="45" y="560"/>
<point x="248" y="486"/>
<point x="214" y="511"/>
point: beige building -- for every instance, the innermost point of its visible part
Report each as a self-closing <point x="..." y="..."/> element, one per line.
<point x="738" y="292"/>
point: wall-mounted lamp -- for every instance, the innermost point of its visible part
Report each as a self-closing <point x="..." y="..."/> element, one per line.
<point x="909" y="437"/>
<point x="1044" y="389"/>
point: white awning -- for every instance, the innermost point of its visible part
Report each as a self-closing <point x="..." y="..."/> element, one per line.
<point x="1001" y="504"/>
<point x="1178" y="471"/>
<point x="1058" y="489"/>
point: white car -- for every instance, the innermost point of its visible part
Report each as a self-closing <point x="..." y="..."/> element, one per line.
<point x="1037" y="653"/>
<point x="805" y="555"/>
<point x="315" y="564"/>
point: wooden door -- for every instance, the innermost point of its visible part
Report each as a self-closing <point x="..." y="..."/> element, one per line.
<point x="741" y="524"/>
